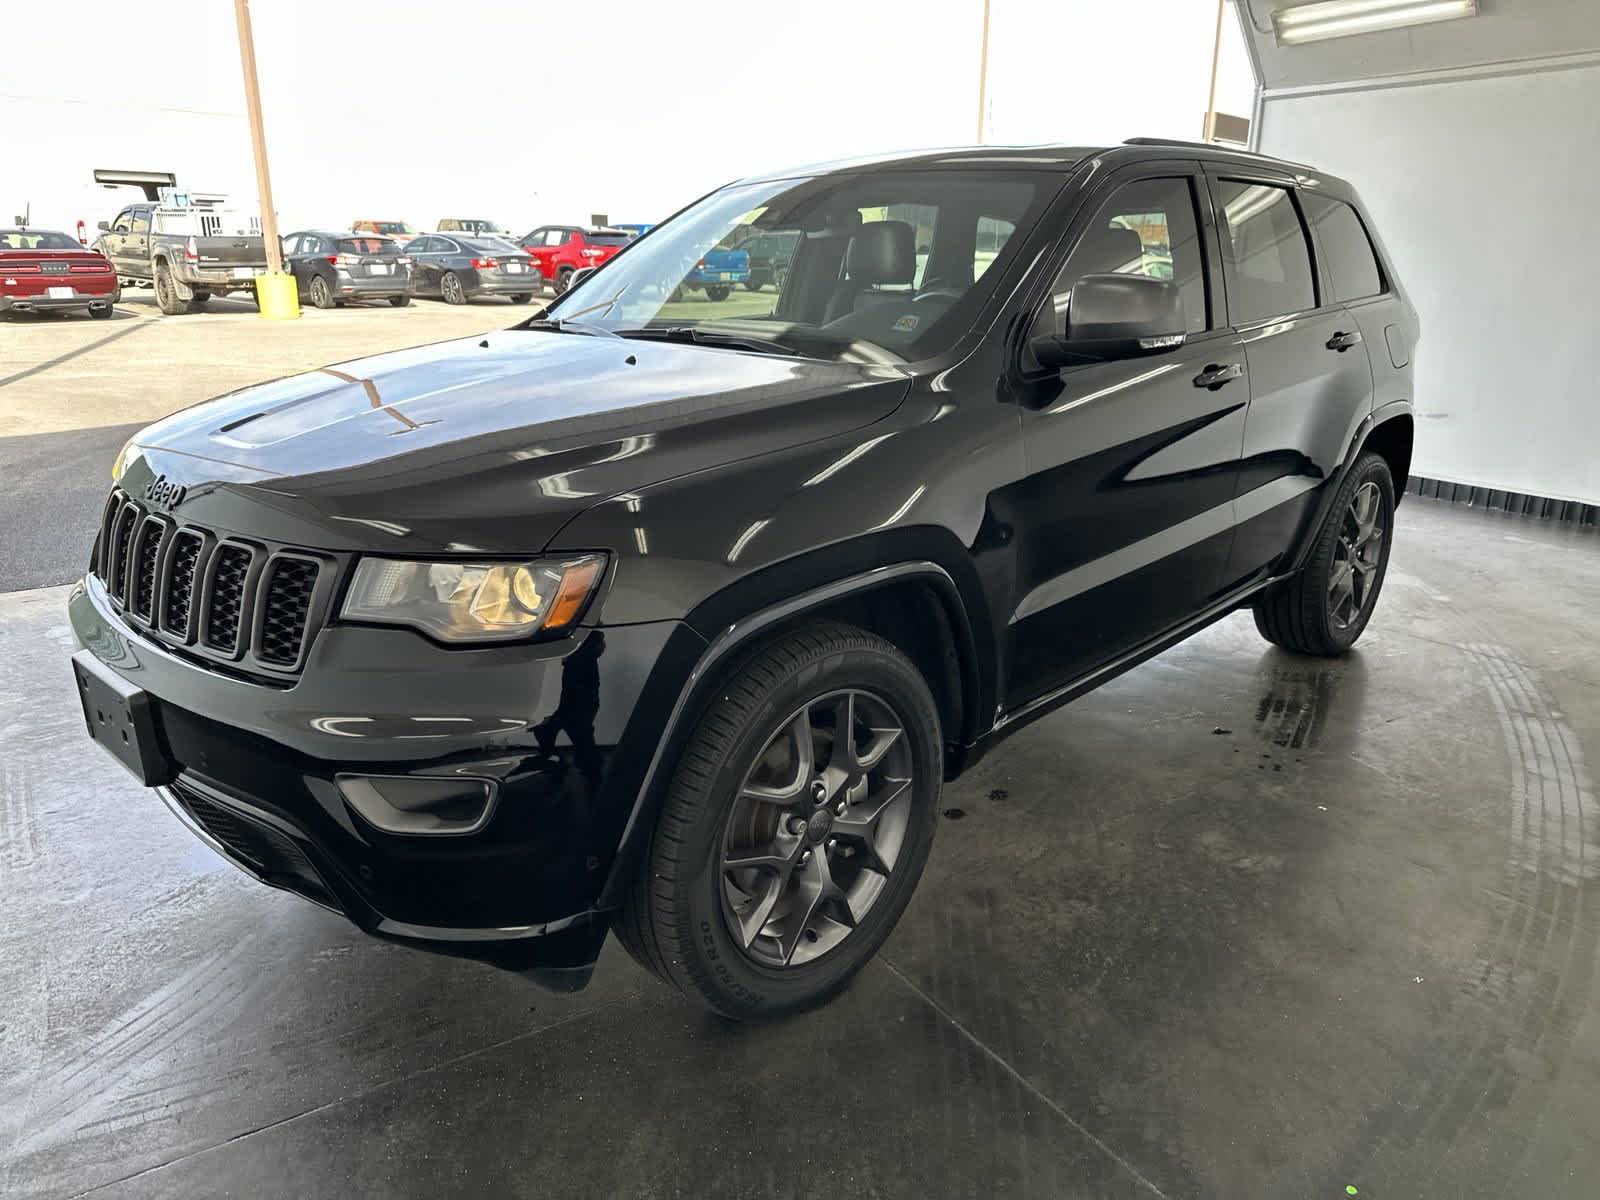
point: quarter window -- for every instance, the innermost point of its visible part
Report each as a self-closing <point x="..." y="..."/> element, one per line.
<point x="1147" y="228"/>
<point x="1352" y="266"/>
<point x="1268" y="258"/>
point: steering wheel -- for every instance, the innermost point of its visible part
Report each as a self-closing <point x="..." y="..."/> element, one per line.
<point x="938" y="289"/>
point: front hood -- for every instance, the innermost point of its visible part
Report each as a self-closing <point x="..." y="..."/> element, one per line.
<point x="488" y="443"/>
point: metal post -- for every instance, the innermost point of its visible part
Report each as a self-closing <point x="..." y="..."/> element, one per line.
<point x="983" y="71"/>
<point x="1210" y="132"/>
<point x="258" y="139"/>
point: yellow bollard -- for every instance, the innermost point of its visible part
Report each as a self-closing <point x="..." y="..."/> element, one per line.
<point x="276" y="297"/>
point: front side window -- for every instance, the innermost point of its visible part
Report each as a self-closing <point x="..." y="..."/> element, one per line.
<point x="141" y="220"/>
<point x="1352" y="266"/>
<point x="1149" y="228"/>
<point x="123" y="223"/>
<point x="1265" y="251"/>
<point x="878" y="265"/>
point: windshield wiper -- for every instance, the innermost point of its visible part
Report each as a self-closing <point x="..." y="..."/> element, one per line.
<point x="568" y="325"/>
<point x="702" y="337"/>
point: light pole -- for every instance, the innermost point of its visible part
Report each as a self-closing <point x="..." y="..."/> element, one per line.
<point x="1209" y="133"/>
<point x="275" y="291"/>
<point x="983" y="71"/>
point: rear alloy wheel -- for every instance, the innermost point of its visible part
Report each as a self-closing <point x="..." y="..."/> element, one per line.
<point x="321" y="293"/>
<point x="450" y="288"/>
<point x="1323" y="608"/>
<point x="800" y="817"/>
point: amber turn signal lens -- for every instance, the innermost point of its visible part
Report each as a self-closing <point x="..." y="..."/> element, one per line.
<point x="577" y="581"/>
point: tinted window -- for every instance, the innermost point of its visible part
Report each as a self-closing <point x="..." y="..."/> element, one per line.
<point x="607" y="237"/>
<point x="993" y="234"/>
<point x="369" y="245"/>
<point x="1270" y="263"/>
<point x="141" y="220"/>
<point x="1146" y="228"/>
<point x="1352" y="266"/>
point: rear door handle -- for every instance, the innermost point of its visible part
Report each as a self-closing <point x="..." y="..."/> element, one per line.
<point x="1218" y="374"/>
<point x="1343" y="341"/>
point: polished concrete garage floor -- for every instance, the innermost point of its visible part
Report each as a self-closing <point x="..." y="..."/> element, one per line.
<point x="1238" y="924"/>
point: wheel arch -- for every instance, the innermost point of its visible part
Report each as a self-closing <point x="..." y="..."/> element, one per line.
<point x="1388" y="431"/>
<point x="916" y="603"/>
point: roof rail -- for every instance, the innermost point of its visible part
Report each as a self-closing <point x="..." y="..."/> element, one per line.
<point x="1213" y="146"/>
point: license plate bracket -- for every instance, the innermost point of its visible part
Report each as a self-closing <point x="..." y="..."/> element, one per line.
<point x="122" y="718"/>
<point x="60" y="293"/>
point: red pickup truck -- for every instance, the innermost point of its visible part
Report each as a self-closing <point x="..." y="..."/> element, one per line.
<point x="42" y="269"/>
<point x="561" y="250"/>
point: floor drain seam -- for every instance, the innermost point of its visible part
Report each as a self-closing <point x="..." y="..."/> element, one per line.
<point x="1032" y="1088"/>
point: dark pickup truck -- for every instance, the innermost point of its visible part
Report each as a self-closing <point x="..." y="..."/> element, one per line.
<point x="188" y="254"/>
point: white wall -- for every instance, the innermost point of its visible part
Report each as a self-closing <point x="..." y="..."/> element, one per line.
<point x="1483" y="179"/>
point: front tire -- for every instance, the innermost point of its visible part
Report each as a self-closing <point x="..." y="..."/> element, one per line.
<point x="781" y="859"/>
<point x="1323" y="608"/>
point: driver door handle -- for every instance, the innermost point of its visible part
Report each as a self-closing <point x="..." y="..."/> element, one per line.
<point x="1218" y="375"/>
<point x="1343" y="341"/>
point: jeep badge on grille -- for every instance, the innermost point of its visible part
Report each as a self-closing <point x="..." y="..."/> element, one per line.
<point x="164" y="494"/>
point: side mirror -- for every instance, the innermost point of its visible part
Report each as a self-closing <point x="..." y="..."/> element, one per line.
<point x="104" y="226"/>
<point x="580" y="275"/>
<point x="1115" y="316"/>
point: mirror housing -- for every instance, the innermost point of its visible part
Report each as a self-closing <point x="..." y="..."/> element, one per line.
<point x="1115" y="316"/>
<point x="104" y="226"/>
<point x="580" y="275"/>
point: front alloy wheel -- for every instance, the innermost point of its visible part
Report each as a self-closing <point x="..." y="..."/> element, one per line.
<point x="800" y="816"/>
<point x="816" y="829"/>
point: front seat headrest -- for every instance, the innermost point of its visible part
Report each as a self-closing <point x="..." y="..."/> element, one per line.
<point x="882" y="252"/>
<point x="1109" y="248"/>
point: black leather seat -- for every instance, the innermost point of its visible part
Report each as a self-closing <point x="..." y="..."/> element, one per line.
<point x="880" y="252"/>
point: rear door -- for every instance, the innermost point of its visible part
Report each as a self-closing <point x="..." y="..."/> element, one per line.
<point x="1310" y="384"/>
<point x="1125" y="517"/>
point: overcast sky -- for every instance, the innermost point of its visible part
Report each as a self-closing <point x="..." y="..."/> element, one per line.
<point x="527" y="113"/>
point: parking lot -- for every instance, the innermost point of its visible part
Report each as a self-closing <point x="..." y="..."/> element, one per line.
<point x="1239" y="923"/>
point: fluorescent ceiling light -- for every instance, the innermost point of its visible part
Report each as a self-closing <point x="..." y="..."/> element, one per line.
<point x="1344" y="18"/>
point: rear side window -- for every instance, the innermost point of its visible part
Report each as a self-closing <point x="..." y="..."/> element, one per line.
<point x="1268" y="258"/>
<point x="1352" y="266"/>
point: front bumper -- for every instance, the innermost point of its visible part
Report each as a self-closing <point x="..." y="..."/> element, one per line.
<point x="553" y="724"/>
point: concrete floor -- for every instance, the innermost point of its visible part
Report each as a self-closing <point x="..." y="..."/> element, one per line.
<point x="1237" y="924"/>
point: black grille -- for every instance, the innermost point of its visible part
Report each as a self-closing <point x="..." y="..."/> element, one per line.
<point x="284" y="612"/>
<point x="210" y="596"/>
<point x="146" y="559"/>
<point x="228" y="579"/>
<point x="122" y="543"/>
<point x="266" y="850"/>
<point x="181" y="565"/>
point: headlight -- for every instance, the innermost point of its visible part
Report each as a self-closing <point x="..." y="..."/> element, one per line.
<point x="474" y="601"/>
<point x="120" y="463"/>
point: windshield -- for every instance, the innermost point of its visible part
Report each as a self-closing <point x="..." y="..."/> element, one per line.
<point x="36" y="239"/>
<point x="393" y="228"/>
<point x="871" y="266"/>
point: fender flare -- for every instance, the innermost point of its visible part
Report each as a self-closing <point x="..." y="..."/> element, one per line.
<point x="1358" y="442"/>
<point x="740" y="634"/>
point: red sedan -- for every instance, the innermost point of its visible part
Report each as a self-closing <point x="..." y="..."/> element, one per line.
<point x="41" y="269"/>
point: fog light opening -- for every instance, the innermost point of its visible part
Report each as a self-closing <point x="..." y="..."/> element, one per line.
<point x="420" y="805"/>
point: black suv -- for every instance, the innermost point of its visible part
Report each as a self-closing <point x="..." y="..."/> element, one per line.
<point x="671" y="616"/>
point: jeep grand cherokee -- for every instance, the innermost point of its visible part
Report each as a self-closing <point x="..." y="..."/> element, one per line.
<point x="670" y="616"/>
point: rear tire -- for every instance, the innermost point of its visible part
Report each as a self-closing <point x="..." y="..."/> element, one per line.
<point x="563" y="280"/>
<point x="399" y="301"/>
<point x="521" y="297"/>
<point x="678" y="920"/>
<point x="321" y="293"/>
<point x="1322" y="609"/>
<point x="450" y="288"/>
<point x="100" y="314"/>
<point x="718" y="292"/>
<point x="167" y="298"/>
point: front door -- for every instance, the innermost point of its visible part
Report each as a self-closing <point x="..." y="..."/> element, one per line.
<point x="1125" y="517"/>
<point x="1310" y="382"/>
